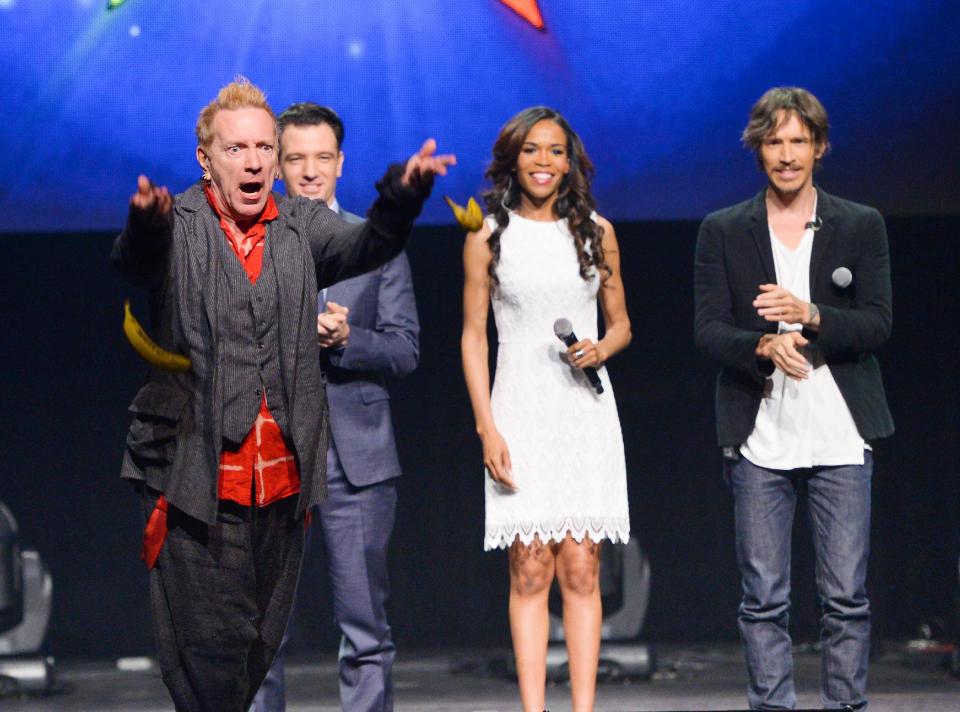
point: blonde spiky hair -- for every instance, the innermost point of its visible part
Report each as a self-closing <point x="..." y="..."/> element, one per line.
<point x="239" y="94"/>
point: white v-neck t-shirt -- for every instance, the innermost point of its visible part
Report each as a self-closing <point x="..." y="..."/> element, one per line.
<point x="802" y="423"/>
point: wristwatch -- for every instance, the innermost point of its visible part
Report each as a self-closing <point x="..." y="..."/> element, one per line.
<point x="814" y="313"/>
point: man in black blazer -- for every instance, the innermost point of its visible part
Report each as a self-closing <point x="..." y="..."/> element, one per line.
<point x="792" y="298"/>
<point x="368" y="330"/>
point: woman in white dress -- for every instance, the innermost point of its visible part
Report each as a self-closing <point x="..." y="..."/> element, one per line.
<point x="552" y="446"/>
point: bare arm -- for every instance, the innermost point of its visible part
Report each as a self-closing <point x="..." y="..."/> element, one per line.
<point x="613" y="304"/>
<point x="475" y="352"/>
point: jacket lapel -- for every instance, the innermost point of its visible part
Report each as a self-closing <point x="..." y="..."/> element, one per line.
<point x="288" y="266"/>
<point x="761" y="235"/>
<point x="202" y="248"/>
<point x="822" y="236"/>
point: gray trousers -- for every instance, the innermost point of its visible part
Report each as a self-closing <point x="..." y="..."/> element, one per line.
<point x="354" y="527"/>
<point x="220" y="597"/>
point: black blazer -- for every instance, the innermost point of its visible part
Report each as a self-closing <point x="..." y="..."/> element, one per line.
<point x="733" y="257"/>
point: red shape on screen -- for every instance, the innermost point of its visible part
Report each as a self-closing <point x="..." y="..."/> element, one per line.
<point x="529" y="10"/>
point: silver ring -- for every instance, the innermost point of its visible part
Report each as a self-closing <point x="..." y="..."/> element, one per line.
<point x="578" y="354"/>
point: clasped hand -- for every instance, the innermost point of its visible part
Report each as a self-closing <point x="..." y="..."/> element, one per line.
<point x="333" y="330"/>
<point x="784" y="350"/>
<point x="775" y="303"/>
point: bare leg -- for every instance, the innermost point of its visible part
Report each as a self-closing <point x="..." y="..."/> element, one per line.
<point x="531" y="573"/>
<point x="578" y="573"/>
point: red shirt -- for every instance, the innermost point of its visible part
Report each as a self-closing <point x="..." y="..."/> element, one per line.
<point x="263" y="464"/>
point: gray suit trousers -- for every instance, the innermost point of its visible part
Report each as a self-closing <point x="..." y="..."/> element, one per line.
<point x="354" y="527"/>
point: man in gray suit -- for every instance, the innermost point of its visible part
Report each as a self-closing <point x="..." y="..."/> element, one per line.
<point x="367" y="329"/>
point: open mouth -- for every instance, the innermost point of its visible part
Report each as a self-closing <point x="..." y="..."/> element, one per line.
<point x="251" y="189"/>
<point x="542" y="178"/>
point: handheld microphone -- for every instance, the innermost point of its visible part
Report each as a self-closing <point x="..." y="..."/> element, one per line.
<point x="564" y="331"/>
<point x="842" y="277"/>
<point x="814" y="224"/>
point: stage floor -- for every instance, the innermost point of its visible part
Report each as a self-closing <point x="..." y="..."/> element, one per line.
<point x="708" y="677"/>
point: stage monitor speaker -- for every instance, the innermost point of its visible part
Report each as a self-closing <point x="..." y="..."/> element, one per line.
<point x="27" y="636"/>
<point x="26" y="599"/>
<point x="11" y="577"/>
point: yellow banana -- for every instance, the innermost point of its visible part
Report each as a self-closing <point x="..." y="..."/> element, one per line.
<point x="147" y="348"/>
<point x="470" y="218"/>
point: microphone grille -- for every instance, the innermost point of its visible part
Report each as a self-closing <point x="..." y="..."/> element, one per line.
<point x="562" y="328"/>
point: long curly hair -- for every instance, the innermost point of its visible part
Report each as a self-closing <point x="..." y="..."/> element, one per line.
<point x="574" y="201"/>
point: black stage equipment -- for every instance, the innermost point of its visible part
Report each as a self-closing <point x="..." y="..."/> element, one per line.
<point x="26" y="594"/>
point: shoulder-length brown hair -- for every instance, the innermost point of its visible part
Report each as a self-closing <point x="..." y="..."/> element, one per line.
<point x="574" y="202"/>
<point x="766" y="117"/>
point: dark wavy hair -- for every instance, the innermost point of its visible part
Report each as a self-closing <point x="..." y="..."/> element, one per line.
<point x="574" y="201"/>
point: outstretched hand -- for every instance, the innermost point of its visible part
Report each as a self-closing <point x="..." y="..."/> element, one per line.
<point x="153" y="204"/>
<point x="425" y="163"/>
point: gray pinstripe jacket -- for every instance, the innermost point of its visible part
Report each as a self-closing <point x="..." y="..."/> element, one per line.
<point x="174" y="441"/>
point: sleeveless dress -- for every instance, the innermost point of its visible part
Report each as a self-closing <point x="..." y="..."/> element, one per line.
<point x="565" y="443"/>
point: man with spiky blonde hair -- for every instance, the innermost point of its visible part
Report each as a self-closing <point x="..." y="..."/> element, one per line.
<point x="231" y="454"/>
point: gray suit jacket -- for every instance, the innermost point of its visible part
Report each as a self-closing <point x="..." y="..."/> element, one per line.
<point x="175" y="440"/>
<point x="384" y="339"/>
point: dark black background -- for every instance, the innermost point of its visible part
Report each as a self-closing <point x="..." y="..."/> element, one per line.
<point x="69" y="375"/>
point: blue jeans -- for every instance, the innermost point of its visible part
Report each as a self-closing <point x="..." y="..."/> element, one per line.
<point x="838" y="499"/>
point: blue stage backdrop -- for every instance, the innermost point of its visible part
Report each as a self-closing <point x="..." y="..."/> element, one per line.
<point x="659" y="90"/>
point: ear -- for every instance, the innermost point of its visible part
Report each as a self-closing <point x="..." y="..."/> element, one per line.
<point x="339" y="164"/>
<point x="821" y="148"/>
<point x="204" y="162"/>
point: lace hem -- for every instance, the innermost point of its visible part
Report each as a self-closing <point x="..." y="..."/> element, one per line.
<point x="616" y="529"/>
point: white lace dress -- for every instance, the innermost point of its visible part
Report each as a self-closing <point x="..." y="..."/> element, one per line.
<point x="564" y="440"/>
